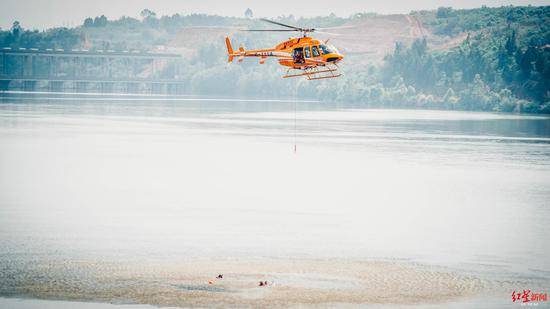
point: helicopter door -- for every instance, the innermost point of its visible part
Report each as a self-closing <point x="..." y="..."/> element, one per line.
<point x="298" y="55"/>
<point x="307" y="52"/>
<point x="315" y="51"/>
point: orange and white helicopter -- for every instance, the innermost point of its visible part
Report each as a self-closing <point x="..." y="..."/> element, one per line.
<point x="313" y="58"/>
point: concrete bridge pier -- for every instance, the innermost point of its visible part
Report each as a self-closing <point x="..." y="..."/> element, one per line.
<point x="132" y="87"/>
<point x="28" y="65"/>
<point x="106" y="87"/>
<point x="29" y="85"/>
<point x="147" y="88"/>
<point x="81" y="86"/>
<point x="172" y="88"/>
<point x="4" y="85"/>
<point x="52" y="66"/>
<point x="56" y="86"/>
<point x="158" y="88"/>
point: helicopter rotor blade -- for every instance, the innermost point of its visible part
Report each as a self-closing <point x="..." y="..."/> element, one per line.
<point x="329" y="33"/>
<point x="269" y="30"/>
<point x="209" y="27"/>
<point x="336" y="27"/>
<point x="299" y="29"/>
<point x="281" y="24"/>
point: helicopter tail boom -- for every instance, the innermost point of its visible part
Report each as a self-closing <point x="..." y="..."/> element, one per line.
<point x="241" y="53"/>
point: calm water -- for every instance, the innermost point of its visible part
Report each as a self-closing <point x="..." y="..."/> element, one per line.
<point x="125" y="178"/>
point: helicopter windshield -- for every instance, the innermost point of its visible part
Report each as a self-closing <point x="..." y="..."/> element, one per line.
<point x="328" y="49"/>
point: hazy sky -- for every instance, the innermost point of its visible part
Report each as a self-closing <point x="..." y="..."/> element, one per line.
<point x="47" y="13"/>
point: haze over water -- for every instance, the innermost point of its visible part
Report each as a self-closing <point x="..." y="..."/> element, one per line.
<point x="142" y="178"/>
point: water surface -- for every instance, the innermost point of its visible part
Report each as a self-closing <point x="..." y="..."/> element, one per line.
<point x="150" y="178"/>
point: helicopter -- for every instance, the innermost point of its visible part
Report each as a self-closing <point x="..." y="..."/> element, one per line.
<point x="303" y="56"/>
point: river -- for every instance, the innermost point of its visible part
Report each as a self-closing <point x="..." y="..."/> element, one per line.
<point x="125" y="179"/>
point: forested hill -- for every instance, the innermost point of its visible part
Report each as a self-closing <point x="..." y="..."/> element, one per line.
<point x="493" y="59"/>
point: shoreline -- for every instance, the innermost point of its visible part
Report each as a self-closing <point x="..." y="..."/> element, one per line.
<point x="292" y="282"/>
<point x="91" y="96"/>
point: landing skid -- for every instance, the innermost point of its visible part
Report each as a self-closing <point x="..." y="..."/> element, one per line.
<point x="314" y="73"/>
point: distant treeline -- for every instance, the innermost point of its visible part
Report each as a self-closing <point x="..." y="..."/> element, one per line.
<point x="17" y="37"/>
<point x="502" y="65"/>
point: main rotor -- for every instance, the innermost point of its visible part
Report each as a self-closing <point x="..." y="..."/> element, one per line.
<point x="303" y="31"/>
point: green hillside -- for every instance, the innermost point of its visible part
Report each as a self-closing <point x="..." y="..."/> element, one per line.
<point x="491" y="59"/>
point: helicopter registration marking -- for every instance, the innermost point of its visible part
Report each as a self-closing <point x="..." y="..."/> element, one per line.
<point x="271" y="54"/>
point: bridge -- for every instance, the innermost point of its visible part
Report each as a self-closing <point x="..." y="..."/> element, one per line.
<point x="89" y="71"/>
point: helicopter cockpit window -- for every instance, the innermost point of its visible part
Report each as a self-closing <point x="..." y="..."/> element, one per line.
<point x="328" y="49"/>
<point x="307" y="52"/>
<point x="315" y="51"/>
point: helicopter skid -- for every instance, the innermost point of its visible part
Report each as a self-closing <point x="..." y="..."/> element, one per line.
<point x="323" y="77"/>
<point x="313" y="73"/>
